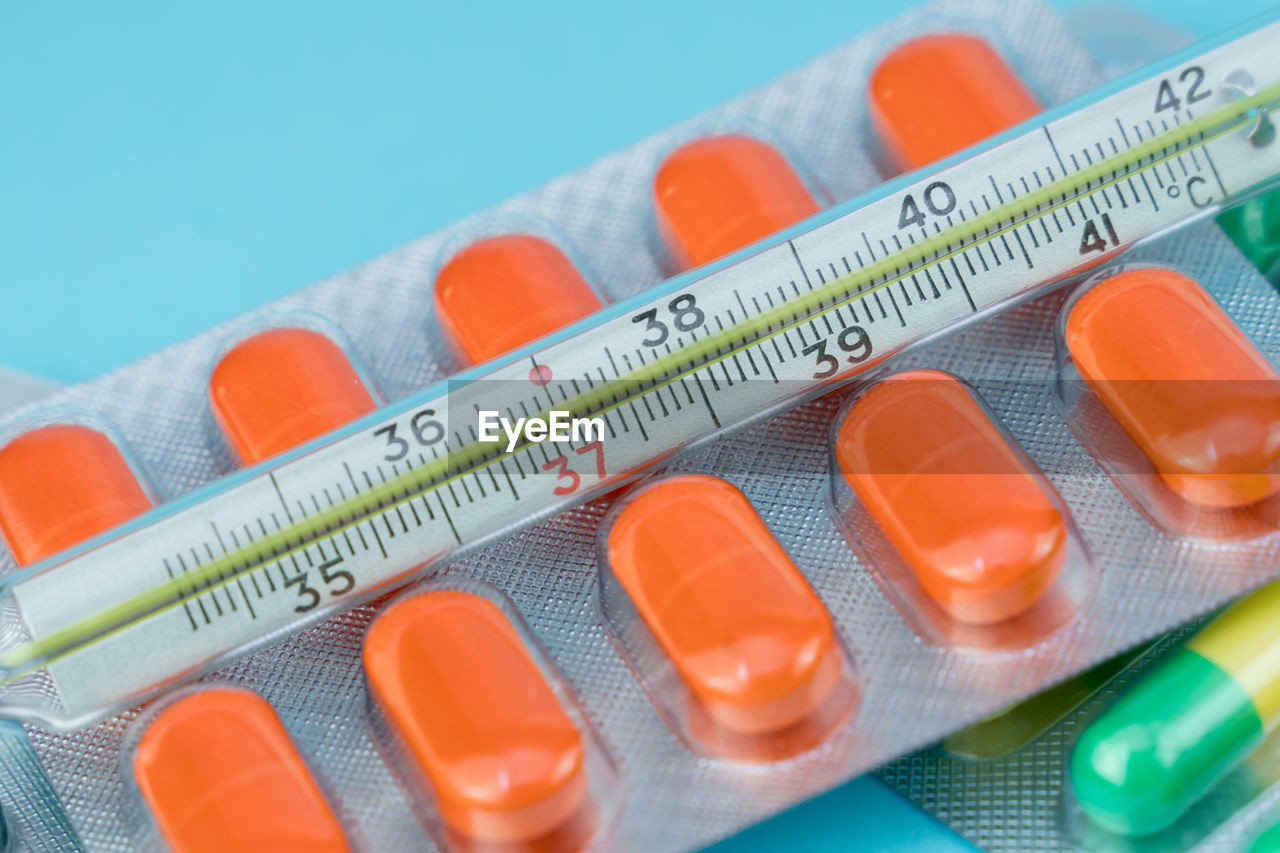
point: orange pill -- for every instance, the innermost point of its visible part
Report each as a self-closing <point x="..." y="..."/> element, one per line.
<point x="219" y="772"/>
<point x="61" y="484"/>
<point x="1191" y="390"/>
<point x="457" y="684"/>
<point x="282" y="387"/>
<point x="940" y="93"/>
<point x="502" y="292"/>
<point x="726" y="604"/>
<point x="965" y="512"/>
<point x="715" y="195"/>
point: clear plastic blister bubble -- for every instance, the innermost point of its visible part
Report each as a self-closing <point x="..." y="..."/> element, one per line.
<point x="1173" y="400"/>
<point x="481" y="728"/>
<point x="213" y="767"/>
<point x="34" y="816"/>
<point x="280" y="379"/>
<point x="723" y="184"/>
<point x="503" y="281"/>
<point x="932" y="91"/>
<point x="66" y="474"/>
<point x="963" y="532"/>
<point x="733" y="646"/>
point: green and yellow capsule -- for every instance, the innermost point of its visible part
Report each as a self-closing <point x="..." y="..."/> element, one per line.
<point x="1177" y="731"/>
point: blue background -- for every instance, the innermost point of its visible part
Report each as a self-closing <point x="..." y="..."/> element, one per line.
<point x="164" y="167"/>
<point x="167" y="166"/>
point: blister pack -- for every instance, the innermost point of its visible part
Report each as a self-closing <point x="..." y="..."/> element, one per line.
<point x="1170" y="747"/>
<point x="556" y="530"/>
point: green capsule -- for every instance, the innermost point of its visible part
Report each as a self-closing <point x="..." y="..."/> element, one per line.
<point x="1178" y="730"/>
<point x="1163" y="744"/>
<point x="1267" y="842"/>
<point x="1254" y="226"/>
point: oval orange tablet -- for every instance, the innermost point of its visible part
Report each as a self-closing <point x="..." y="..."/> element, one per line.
<point x="455" y="681"/>
<point x="502" y="292"/>
<point x="219" y="772"/>
<point x="282" y="387"/>
<point x="726" y="604"/>
<point x="715" y="195"/>
<point x="61" y="484"/>
<point x="940" y="93"/>
<point x="957" y="502"/>
<point x="1190" y="389"/>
